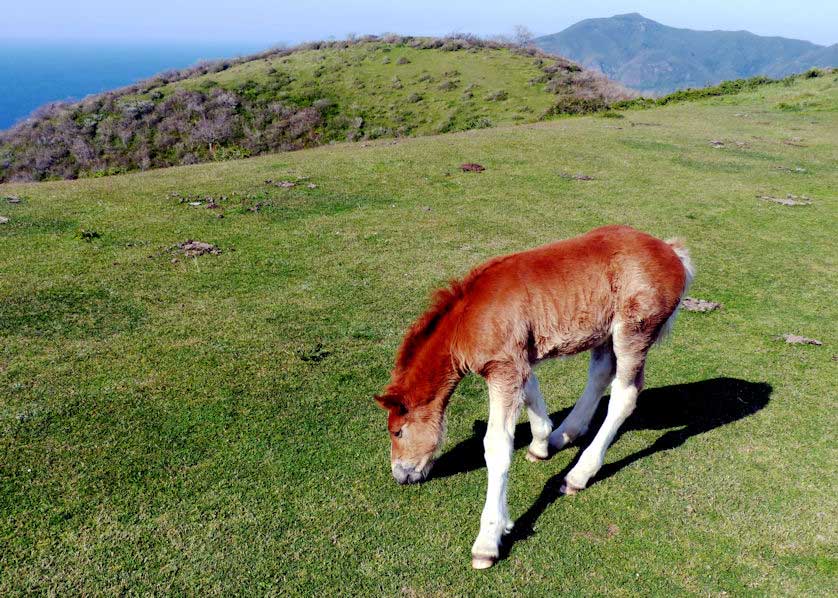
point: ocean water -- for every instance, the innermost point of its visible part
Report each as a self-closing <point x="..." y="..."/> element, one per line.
<point x="33" y="73"/>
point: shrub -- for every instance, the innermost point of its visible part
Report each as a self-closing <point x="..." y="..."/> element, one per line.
<point x="577" y="105"/>
<point x="377" y="132"/>
<point x="403" y="60"/>
<point x="497" y="96"/>
<point x="414" y="97"/>
<point x="479" y="123"/>
<point x="447" y="86"/>
<point x="786" y="107"/>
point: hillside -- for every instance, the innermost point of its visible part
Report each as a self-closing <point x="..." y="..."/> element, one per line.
<point x="177" y="425"/>
<point x="302" y="97"/>
<point x="653" y="58"/>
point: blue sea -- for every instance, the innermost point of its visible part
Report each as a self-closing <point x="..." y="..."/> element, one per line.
<point x="33" y="73"/>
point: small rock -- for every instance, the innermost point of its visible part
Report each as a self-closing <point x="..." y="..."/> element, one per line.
<point x="426" y="208"/>
<point x="3" y="220"/>
<point x="794" y="339"/>
<point x="311" y="186"/>
<point x="788" y="200"/>
<point x="472" y="167"/>
<point x="13" y="199"/>
<point x="285" y="184"/>
<point x="175" y="260"/>
<point x="717" y="143"/>
<point x="219" y="215"/>
<point x="700" y="305"/>
<point x="576" y="177"/>
<point x="195" y="203"/>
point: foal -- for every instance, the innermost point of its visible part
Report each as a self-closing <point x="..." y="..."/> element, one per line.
<point x="614" y="291"/>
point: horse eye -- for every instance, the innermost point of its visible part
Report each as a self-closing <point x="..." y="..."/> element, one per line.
<point x="397" y="434"/>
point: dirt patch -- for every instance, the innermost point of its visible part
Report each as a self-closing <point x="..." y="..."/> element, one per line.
<point x="196" y="201"/>
<point x="719" y="144"/>
<point x="700" y="305"/>
<point x="191" y="248"/>
<point x="795" y="339"/>
<point x="472" y="167"/>
<point x="281" y="184"/>
<point x="576" y="177"/>
<point x="794" y="142"/>
<point x="788" y="200"/>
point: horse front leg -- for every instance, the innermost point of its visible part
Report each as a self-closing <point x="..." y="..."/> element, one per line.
<point x="505" y="399"/>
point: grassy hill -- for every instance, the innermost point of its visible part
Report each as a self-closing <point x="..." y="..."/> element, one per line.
<point x="184" y="425"/>
<point x="302" y="97"/>
<point x="654" y="58"/>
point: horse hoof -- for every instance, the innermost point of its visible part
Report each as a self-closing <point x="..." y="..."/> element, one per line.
<point x="569" y="489"/>
<point x="482" y="562"/>
<point x="533" y="458"/>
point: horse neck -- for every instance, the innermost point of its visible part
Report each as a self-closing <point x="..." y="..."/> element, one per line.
<point x="431" y="374"/>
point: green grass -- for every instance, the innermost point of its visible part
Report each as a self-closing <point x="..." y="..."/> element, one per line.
<point x="206" y="425"/>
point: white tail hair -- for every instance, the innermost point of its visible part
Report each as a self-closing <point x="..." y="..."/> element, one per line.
<point x="683" y="254"/>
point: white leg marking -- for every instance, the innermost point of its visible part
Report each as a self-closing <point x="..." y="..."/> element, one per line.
<point x="600" y="375"/>
<point x="504" y="405"/>
<point x="623" y="399"/>
<point x="540" y="423"/>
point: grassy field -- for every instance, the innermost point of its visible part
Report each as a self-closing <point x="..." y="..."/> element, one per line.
<point x="181" y="425"/>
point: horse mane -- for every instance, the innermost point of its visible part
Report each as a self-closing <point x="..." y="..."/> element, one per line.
<point x="442" y="300"/>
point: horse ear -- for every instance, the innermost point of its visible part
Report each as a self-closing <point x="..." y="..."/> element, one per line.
<point x="391" y="402"/>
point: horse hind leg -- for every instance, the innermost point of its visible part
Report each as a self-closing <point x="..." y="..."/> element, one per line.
<point x="540" y="423"/>
<point x="600" y="374"/>
<point x="631" y="359"/>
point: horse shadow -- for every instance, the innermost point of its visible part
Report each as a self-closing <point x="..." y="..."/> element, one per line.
<point x="684" y="410"/>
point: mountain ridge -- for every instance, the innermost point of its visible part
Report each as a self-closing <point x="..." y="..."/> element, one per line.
<point x="653" y="58"/>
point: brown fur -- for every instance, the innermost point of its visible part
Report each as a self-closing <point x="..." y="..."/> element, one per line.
<point x="514" y="311"/>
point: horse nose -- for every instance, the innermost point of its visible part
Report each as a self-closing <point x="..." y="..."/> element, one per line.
<point x="406" y="475"/>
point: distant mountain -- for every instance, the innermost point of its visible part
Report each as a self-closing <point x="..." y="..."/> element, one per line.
<point x="653" y="58"/>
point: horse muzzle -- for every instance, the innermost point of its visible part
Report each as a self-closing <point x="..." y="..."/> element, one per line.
<point x="407" y="474"/>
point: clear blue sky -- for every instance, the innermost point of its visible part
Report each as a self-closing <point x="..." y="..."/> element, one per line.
<point x="267" y="22"/>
